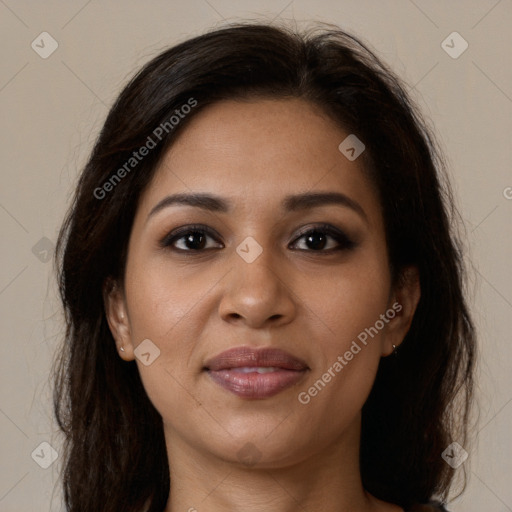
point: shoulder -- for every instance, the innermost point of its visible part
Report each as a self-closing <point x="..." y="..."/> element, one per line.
<point x="433" y="506"/>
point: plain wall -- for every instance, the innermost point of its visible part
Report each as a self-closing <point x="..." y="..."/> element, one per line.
<point x="51" y="111"/>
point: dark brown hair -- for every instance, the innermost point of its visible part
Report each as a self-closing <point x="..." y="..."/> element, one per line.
<point x="115" y="457"/>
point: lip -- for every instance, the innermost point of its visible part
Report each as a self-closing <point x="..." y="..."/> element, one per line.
<point x="232" y="371"/>
<point x="239" y="357"/>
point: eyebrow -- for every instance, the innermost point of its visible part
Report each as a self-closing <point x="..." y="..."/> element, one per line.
<point x="291" y="203"/>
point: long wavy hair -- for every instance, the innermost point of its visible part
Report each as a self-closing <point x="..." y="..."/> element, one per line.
<point x="114" y="449"/>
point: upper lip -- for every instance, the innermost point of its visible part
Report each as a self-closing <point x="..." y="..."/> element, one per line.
<point x="239" y="357"/>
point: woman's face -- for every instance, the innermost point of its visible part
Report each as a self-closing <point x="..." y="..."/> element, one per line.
<point x="273" y="269"/>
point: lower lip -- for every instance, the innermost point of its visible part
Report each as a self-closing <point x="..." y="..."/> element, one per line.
<point x="256" y="385"/>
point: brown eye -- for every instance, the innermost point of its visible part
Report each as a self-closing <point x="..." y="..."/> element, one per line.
<point x="318" y="238"/>
<point x="190" y="239"/>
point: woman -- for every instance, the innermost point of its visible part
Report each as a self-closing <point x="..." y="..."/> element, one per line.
<point x="263" y="290"/>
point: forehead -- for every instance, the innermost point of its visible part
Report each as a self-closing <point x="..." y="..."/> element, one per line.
<point x="260" y="151"/>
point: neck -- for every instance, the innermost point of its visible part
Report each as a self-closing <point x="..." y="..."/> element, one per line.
<point x="328" y="480"/>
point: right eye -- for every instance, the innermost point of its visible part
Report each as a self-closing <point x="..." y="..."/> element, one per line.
<point x="193" y="238"/>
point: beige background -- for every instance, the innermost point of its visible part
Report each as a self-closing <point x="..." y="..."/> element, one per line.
<point x="51" y="111"/>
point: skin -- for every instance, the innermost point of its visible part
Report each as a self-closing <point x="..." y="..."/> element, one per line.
<point x="292" y="297"/>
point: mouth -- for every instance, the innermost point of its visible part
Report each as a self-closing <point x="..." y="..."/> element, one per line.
<point x="255" y="373"/>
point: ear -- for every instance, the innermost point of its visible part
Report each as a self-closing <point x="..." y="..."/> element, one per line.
<point x="117" y="318"/>
<point x="403" y="302"/>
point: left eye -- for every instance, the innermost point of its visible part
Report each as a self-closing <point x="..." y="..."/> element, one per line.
<point x="317" y="239"/>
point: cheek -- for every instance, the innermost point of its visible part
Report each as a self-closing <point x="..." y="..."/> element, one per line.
<point x="348" y="307"/>
<point x="166" y="311"/>
<point x="160" y="299"/>
<point x="350" y="299"/>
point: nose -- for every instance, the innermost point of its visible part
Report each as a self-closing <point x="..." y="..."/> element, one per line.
<point x="256" y="293"/>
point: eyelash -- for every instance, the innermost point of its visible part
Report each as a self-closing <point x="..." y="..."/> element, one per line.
<point x="344" y="242"/>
